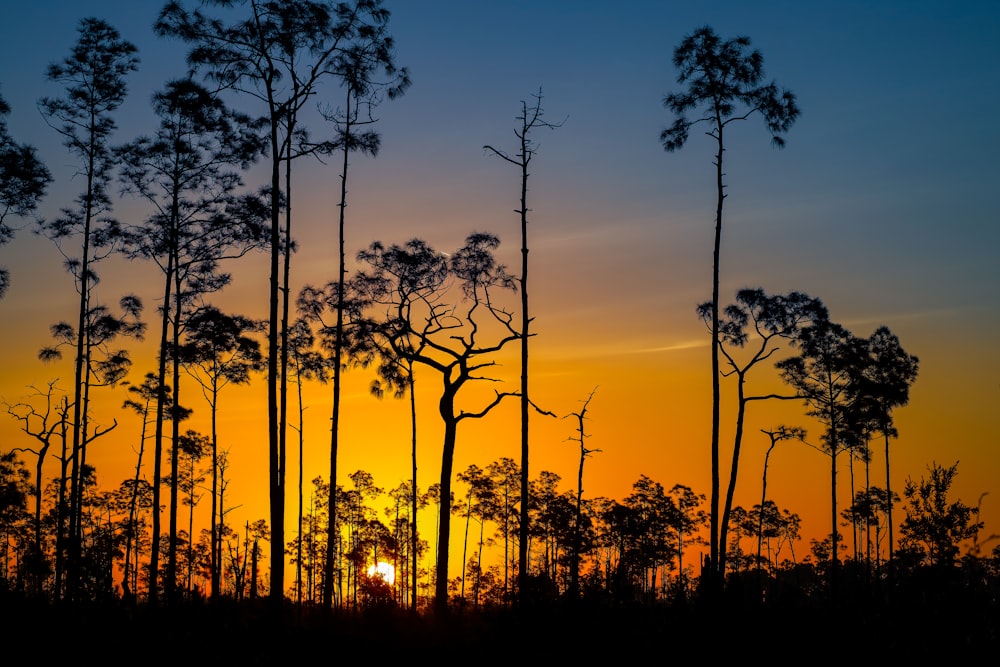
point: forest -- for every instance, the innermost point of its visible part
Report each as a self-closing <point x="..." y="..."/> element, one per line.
<point x="497" y="549"/>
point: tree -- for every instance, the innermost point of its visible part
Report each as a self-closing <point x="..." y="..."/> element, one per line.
<point x="724" y="83"/>
<point x="358" y="67"/>
<point x="306" y="363"/>
<point x="887" y="380"/>
<point x="219" y="351"/>
<point x="826" y="375"/>
<point x="934" y="525"/>
<point x="277" y="55"/>
<point x="150" y="392"/>
<point x="870" y="511"/>
<point x="507" y="479"/>
<point x="188" y="171"/>
<point x="531" y="118"/>
<point x="574" y="576"/>
<point x="94" y="75"/>
<point x="650" y="510"/>
<point x="777" y="435"/>
<point x="42" y="424"/>
<point x="417" y="317"/>
<point x="766" y="320"/>
<point x="23" y="181"/>
<point x="685" y="518"/>
<point x="104" y="366"/>
<point x="481" y="502"/>
<point x="15" y="488"/>
<point x="193" y="446"/>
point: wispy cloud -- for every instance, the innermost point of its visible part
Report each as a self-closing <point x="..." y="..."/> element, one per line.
<point x="684" y="345"/>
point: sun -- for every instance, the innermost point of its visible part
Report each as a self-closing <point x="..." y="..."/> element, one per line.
<point x="383" y="570"/>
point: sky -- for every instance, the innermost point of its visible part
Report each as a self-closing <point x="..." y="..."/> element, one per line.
<point x="882" y="205"/>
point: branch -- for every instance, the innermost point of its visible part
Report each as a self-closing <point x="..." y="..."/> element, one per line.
<point x="482" y="413"/>
<point x="538" y="409"/>
<point x="780" y="397"/>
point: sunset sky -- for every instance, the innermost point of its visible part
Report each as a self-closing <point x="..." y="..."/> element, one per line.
<point x="883" y="205"/>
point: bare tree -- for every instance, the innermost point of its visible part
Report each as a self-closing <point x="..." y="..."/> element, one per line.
<point x="435" y="310"/>
<point x="531" y="118"/>
<point x="581" y="436"/>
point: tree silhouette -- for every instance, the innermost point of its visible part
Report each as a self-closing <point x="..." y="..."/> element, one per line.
<point x="775" y="436"/>
<point x="187" y="171"/>
<point x="723" y="82"/>
<point x="685" y="519"/>
<point x="358" y="67"/>
<point x="218" y="351"/>
<point x="507" y="480"/>
<point x="103" y="366"/>
<point x="278" y="53"/>
<point x="480" y="503"/>
<point x="306" y="364"/>
<point x="43" y="424"/>
<point x="581" y="436"/>
<point x="826" y="376"/>
<point x="531" y="119"/>
<point x="887" y="380"/>
<point x="143" y="396"/>
<point x="761" y="321"/>
<point x="934" y="524"/>
<point x="417" y="316"/>
<point x="94" y="76"/>
<point x="23" y="181"/>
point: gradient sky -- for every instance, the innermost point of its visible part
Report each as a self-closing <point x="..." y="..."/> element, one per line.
<point x="883" y="205"/>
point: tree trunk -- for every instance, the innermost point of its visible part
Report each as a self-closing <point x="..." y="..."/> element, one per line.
<point x="444" y="508"/>
<point x="717" y="571"/>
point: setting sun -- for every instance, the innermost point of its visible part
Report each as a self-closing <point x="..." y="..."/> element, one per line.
<point x="384" y="570"/>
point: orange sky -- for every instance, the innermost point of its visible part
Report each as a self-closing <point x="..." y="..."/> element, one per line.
<point x="884" y="220"/>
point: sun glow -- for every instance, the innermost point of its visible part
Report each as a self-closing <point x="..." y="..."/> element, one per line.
<point x="383" y="570"/>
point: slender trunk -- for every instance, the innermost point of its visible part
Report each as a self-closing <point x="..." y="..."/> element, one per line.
<point x="276" y="463"/>
<point x="215" y="555"/>
<point x="888" y="493"/>
<point x="717" y="570"/>
<point x="413" y="496"/>
<point x="763" y="499"/>
<point x="337" y="362"/>
<point x="190" y="548"/>
<point x="833" y="518"/>
<point x="161" y="402"/>
<point x="525" y="322"/>
<point x="298" y="539"/>
<point x="131" y="535"/>
<point x="479" y="563"/>
<point x="834" y="542"/>
<point x="444" y="507"/>
<point x="61" y="507"/>
<point x="734" y="469"/>
<point x="854" y="524"/>
<point x="574" y="575"/>
<point x="283" y="373"/>
<point x="170" y="582"/>
<point x="465" y="544"/>
<point x="868" y="513"/>
<point x="73" y="542"/>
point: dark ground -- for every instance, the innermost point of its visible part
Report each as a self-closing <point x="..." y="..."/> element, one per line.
<point x="256" y="634"/>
